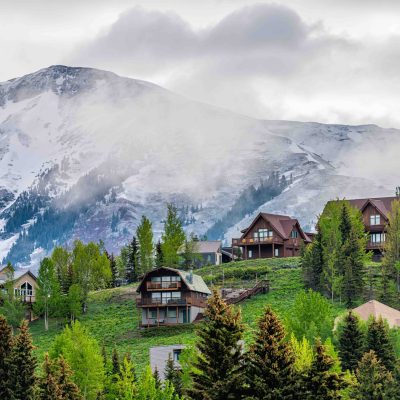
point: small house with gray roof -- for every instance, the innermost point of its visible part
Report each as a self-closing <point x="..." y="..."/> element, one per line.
<point x="169" y="296"/>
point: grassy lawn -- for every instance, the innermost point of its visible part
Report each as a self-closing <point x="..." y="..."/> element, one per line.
<point x="112" y="317"/>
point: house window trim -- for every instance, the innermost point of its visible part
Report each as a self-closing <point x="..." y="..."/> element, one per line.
<point x="375" y="219"/>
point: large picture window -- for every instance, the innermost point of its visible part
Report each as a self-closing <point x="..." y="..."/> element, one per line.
<point x="263" y="234"/>
<point x="377" y="238"/>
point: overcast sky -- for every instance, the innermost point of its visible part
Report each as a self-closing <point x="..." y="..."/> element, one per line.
<point x="322" y="60"/>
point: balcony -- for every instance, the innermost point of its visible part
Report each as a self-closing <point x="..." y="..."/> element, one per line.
<point x="189" y="301"/>
<point x="375" y="245"/>
<point x="255" y="241"/>
<point x="163" y="285"/>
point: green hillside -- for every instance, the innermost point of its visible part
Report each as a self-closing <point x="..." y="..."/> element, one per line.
<point x="112" y="317"/>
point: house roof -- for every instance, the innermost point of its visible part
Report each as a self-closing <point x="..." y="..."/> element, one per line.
<point x="197" y="283"/>
<point x="374" y="308"/>
<point x="382" y="204"/>
<point x="208" y="246"/>
<point x="18" y="274"/>
<point x="283" y="225"/>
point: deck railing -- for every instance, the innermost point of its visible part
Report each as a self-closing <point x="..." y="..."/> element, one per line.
<point x="163" y="285"/>
<point x="159" y="302"/>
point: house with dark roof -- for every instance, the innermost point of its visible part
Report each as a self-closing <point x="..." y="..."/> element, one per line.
<point x="271" y="235"/>
<point x="169" y="296"/>
<point x="375" y="212"/>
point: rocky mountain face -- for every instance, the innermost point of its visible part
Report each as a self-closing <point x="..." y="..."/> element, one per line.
<point x="84" y="153"/>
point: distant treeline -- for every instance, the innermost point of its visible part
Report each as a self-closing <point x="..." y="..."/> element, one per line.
<point x="248" y="201"/>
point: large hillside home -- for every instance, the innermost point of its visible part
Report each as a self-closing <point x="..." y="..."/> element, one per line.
<point x="271" y="235"/>
<point x="23" y="283"/>
<point x="375" y="216"/>
<point x="169" y="296"/>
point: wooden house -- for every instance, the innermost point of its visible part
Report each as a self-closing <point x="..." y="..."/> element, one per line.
<point x="271" y="235"/>
<point x="159" y="356"/>
<point x="23" y="283"/>
<point x="169" y="296"/>
<point x="375" y="213"/>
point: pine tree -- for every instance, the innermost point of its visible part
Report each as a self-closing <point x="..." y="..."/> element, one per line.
<point x="378" y="340"/>
<point x="156" y="376"/>
<point x="132" y="262"/>
<point x="270" y="365"/>
<point x="322" y="382"/>
<point x="217" y="373"/>
<point x="115" y="362"/>
<point x="345" y="225"/>
<point x="24" y="364"/>
<point x="172" y="237"/>
<point x="6" y="362"/>
<point x="312" y="263"/>
<point x="114" y="270"/>
<point x="48" y="386"/>
<point x="159" y="256"/>
<point x="350" y="342"/>
<point x="373" y="379"/>
<point x="173" y="374"/>
<point x="69" y="390"/>
<point x="144" y="234"/>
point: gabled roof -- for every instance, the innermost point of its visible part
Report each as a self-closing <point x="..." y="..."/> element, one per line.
<point x="282" y="224"/>
<point x="382" y="204"/>
<point x="208" y="246"/>
<point x="196" y="284"/>
<point x="19" y="273"/>
<point x="374" y="308"/>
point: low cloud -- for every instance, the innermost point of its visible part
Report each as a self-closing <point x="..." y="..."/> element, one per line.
<point x="263" y="60"/>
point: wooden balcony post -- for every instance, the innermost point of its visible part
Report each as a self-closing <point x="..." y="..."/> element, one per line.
<point x="273" y="250"/>
<point x="177" y="315"/>
<point x="259" y="250"/>
<point x="158" y="316"/>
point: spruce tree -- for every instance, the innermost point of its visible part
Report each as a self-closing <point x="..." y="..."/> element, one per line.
<point x="350" y="342"/>
<point x="159" y="256"/>
<point x="156" y="376"/>
<point x="217" y="374"/>
<point x="6" y="362"/>
<point x="114" y="270"/>
<point x="378" y="340"/>
<point x="345" y="225"/>
<point x="270" y="364"/>
<point x="173" y="374"/>
<point x="69" y="390"/>
<point x="115" y="362"/>
<point x="48" y="383"/>
<point x="322" y="382"/>
<point x="132" y="262"/>
<point x="24" y="364"/>
<point x="312" y="263"/>
<point x="373" y="379"/>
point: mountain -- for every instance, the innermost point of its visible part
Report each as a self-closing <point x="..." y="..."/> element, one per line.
<point x="84" y="153"/>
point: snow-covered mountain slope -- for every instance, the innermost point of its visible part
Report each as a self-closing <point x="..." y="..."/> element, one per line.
<point x="84" y="153"/>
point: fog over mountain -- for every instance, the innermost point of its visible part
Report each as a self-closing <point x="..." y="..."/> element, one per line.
<point x="84" y="153"/>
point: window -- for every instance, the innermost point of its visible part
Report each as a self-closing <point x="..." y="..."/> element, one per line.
<point x="276" y="253"/>
<point x="294" y="234"/>
<point x="250" y="253"/>
<point x="152" y="314"/>
<point x="176" y="355"/>
<point x="26" y="289"/>
<point x="172" y="313"/>
<point x="377" y="238"/>
<point x="209" y="258"/>
<point x="156" y="297"/>
<point x="170" y="297"/>
<point x="375" y="219"/>
<point x="265" y="233"/>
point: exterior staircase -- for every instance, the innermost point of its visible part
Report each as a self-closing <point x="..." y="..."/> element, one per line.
<point x="260" y="287"/>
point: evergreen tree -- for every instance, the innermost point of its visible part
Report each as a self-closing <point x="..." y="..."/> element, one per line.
<point x="156" y="376"/>
<point x="24" y="364"/>
<point x="115" y="362"/>
<point x="345" y="225"/>
<point x="132" y="261"/>
<point x="217" y="374"/>
<point x="270" y="370"/>
<point x="6" y="361"/>
<point x="312" y="263"/>
<point x="173" y="374"/>
<point x="173" y="237"/>
<point x="144" y="234"/>
<point x="322" y="382"/>
<point x="159" y="256"/>
<point x="373" y="379"/>
<point x="69" y="390"/>
<point x="190" y="253"/>
<point x="378" y="340"/>
<point x="391" y="261"/>
<point x="350" y="342"/>
<point x="353" y="252"/>
<point x="114" y="270"/>
<point x="48" y="383"/>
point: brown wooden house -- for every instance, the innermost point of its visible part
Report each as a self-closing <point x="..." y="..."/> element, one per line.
<point x="169" y="296"/>
<point x="375" y="213"/>
<point x="271" y="235"/>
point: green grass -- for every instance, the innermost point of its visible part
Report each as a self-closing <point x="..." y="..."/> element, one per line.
<point x="112" y="317"/>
